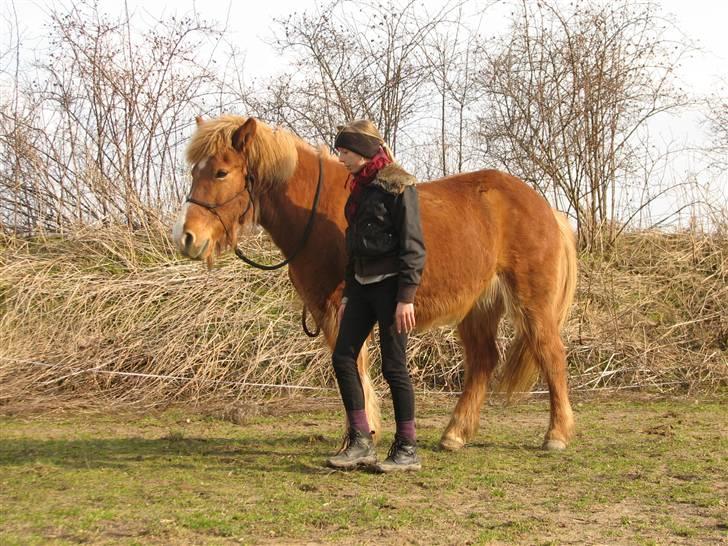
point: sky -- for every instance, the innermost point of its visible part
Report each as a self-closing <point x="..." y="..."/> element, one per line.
<point x="250" y="25"/>
<point x="702" y="21"/>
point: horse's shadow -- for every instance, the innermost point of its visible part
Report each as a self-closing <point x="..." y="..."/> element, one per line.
<point x="289" y="453"/>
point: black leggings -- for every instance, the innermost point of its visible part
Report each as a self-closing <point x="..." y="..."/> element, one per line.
<point x="367" y="304"/>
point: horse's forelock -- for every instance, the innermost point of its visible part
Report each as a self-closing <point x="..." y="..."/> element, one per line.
<point x="212" y="137"/>
<point x="272" y="154"/>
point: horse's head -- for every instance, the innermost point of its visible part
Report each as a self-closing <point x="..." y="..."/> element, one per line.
<point x="220" y="200"/>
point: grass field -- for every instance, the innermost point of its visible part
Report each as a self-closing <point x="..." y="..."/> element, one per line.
<point x="640" y="471"/>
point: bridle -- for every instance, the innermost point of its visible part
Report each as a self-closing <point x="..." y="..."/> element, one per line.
<point x="249" y="181"/>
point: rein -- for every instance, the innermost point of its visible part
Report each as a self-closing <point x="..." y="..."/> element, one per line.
<point x="306" y="230"/>
<point x="249" y="179"/>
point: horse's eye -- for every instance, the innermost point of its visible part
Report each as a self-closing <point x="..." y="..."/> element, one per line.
<point x="221" y="174"/>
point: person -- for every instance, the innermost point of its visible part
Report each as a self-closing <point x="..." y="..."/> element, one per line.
<point x="386" y="256"/>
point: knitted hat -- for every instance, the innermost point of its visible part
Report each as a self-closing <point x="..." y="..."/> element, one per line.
<point x="360" y="137"/>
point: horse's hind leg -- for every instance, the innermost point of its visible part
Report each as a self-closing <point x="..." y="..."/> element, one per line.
<point x="537" y="347"/>
<point x="547" y="349"/>
<point x="478" y="332"/>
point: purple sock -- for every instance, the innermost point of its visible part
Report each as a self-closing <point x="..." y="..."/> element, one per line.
<point x="358" y="420"/>
<point x="406" y="429"/>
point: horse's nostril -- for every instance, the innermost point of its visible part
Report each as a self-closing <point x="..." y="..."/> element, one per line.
<point x="189" y="239"/>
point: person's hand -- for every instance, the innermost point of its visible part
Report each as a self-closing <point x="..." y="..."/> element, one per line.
<point x="404" y="317"/>
<point x="340" y="315"/>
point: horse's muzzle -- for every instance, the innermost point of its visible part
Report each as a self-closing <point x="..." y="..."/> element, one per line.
<point x="190" y="249"/>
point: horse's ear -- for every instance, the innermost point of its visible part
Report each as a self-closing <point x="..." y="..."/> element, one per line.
<point x="199" y="120"/>
<point x="244" y="133"/>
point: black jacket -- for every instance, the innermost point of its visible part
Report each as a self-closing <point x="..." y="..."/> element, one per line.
<point x="385" y="235"/>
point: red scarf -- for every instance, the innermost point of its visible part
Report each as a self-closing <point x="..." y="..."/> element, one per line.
<point x="365" y="175"/>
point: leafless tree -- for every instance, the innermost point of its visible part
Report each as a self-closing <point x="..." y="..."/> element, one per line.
<point x="569" y="91"/>
<point x="95" y="130"/>
<point x="716" y="108"/>
<point x="98" y="131"/>
<point x="452" y="54"/>
<point x="353" y="60"/>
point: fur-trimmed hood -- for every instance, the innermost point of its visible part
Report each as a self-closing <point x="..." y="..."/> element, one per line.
<point x="393" y="178"/>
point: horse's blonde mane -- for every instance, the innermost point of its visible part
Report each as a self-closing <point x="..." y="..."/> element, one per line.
<point x="272" y="153"/>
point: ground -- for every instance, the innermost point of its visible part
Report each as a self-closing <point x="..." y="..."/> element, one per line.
<point x="639" y="471"/>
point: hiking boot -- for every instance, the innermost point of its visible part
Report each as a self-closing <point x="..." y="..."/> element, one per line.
<point x="358" y="450"/>
<point x="402" y="456"/>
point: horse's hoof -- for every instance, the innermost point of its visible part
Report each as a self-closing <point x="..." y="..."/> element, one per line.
<point x="554" y="445"/>
<point x="449" y="443"/>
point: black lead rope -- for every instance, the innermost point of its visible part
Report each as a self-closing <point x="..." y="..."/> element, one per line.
<point x="308" y="332"/>
<point x="306" y="231"/>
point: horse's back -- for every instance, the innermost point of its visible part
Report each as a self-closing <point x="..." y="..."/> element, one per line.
<point x="477" y="225"/>
<point x="466" y="189"/>
<point x="488" y="205"/>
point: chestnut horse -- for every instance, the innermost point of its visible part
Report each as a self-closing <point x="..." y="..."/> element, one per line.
<point x="494" y="246"/>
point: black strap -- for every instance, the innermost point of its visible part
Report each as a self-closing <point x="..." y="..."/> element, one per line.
<point x="210" y="207"/>
<point x="305" y="326"/>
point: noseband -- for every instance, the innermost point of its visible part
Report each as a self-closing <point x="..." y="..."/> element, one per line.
<point x="249" y="180"/>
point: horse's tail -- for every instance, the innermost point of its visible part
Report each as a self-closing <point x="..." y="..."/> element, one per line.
<point x="567" y="268"/>
<point x="521" y="370"/>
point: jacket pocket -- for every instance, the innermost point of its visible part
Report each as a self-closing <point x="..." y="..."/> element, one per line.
<point x="375" y="240"/>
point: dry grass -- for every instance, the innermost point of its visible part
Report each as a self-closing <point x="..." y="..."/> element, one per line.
<point x="653" y="314"/>
<point x="111" y="301"/>
<point x="82" y="316"/>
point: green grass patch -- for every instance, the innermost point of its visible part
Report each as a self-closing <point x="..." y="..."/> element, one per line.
<point x="643" y="472"/>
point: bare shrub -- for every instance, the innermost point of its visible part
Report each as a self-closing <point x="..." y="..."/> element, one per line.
<point x="91" y="142"/>
<point x="569" y="92"/>
<point x="651" y="313"/>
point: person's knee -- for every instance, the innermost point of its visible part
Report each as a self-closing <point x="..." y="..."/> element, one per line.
<point x="395" y="373"/>
<point x="343" y="362"/>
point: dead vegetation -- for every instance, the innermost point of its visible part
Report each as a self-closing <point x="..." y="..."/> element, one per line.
<point x="113" y="316"/>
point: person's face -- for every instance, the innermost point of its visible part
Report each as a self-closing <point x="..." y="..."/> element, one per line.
<point x="351" y="160"/>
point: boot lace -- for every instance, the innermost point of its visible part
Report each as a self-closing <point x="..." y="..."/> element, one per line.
<point x="395" y="447"/>
<point x="346" y="440"/>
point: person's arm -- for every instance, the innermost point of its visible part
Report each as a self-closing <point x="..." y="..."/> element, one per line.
<point x="411" y="245"/>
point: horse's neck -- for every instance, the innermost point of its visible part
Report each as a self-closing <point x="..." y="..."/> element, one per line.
<point x="285" y="210"/>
